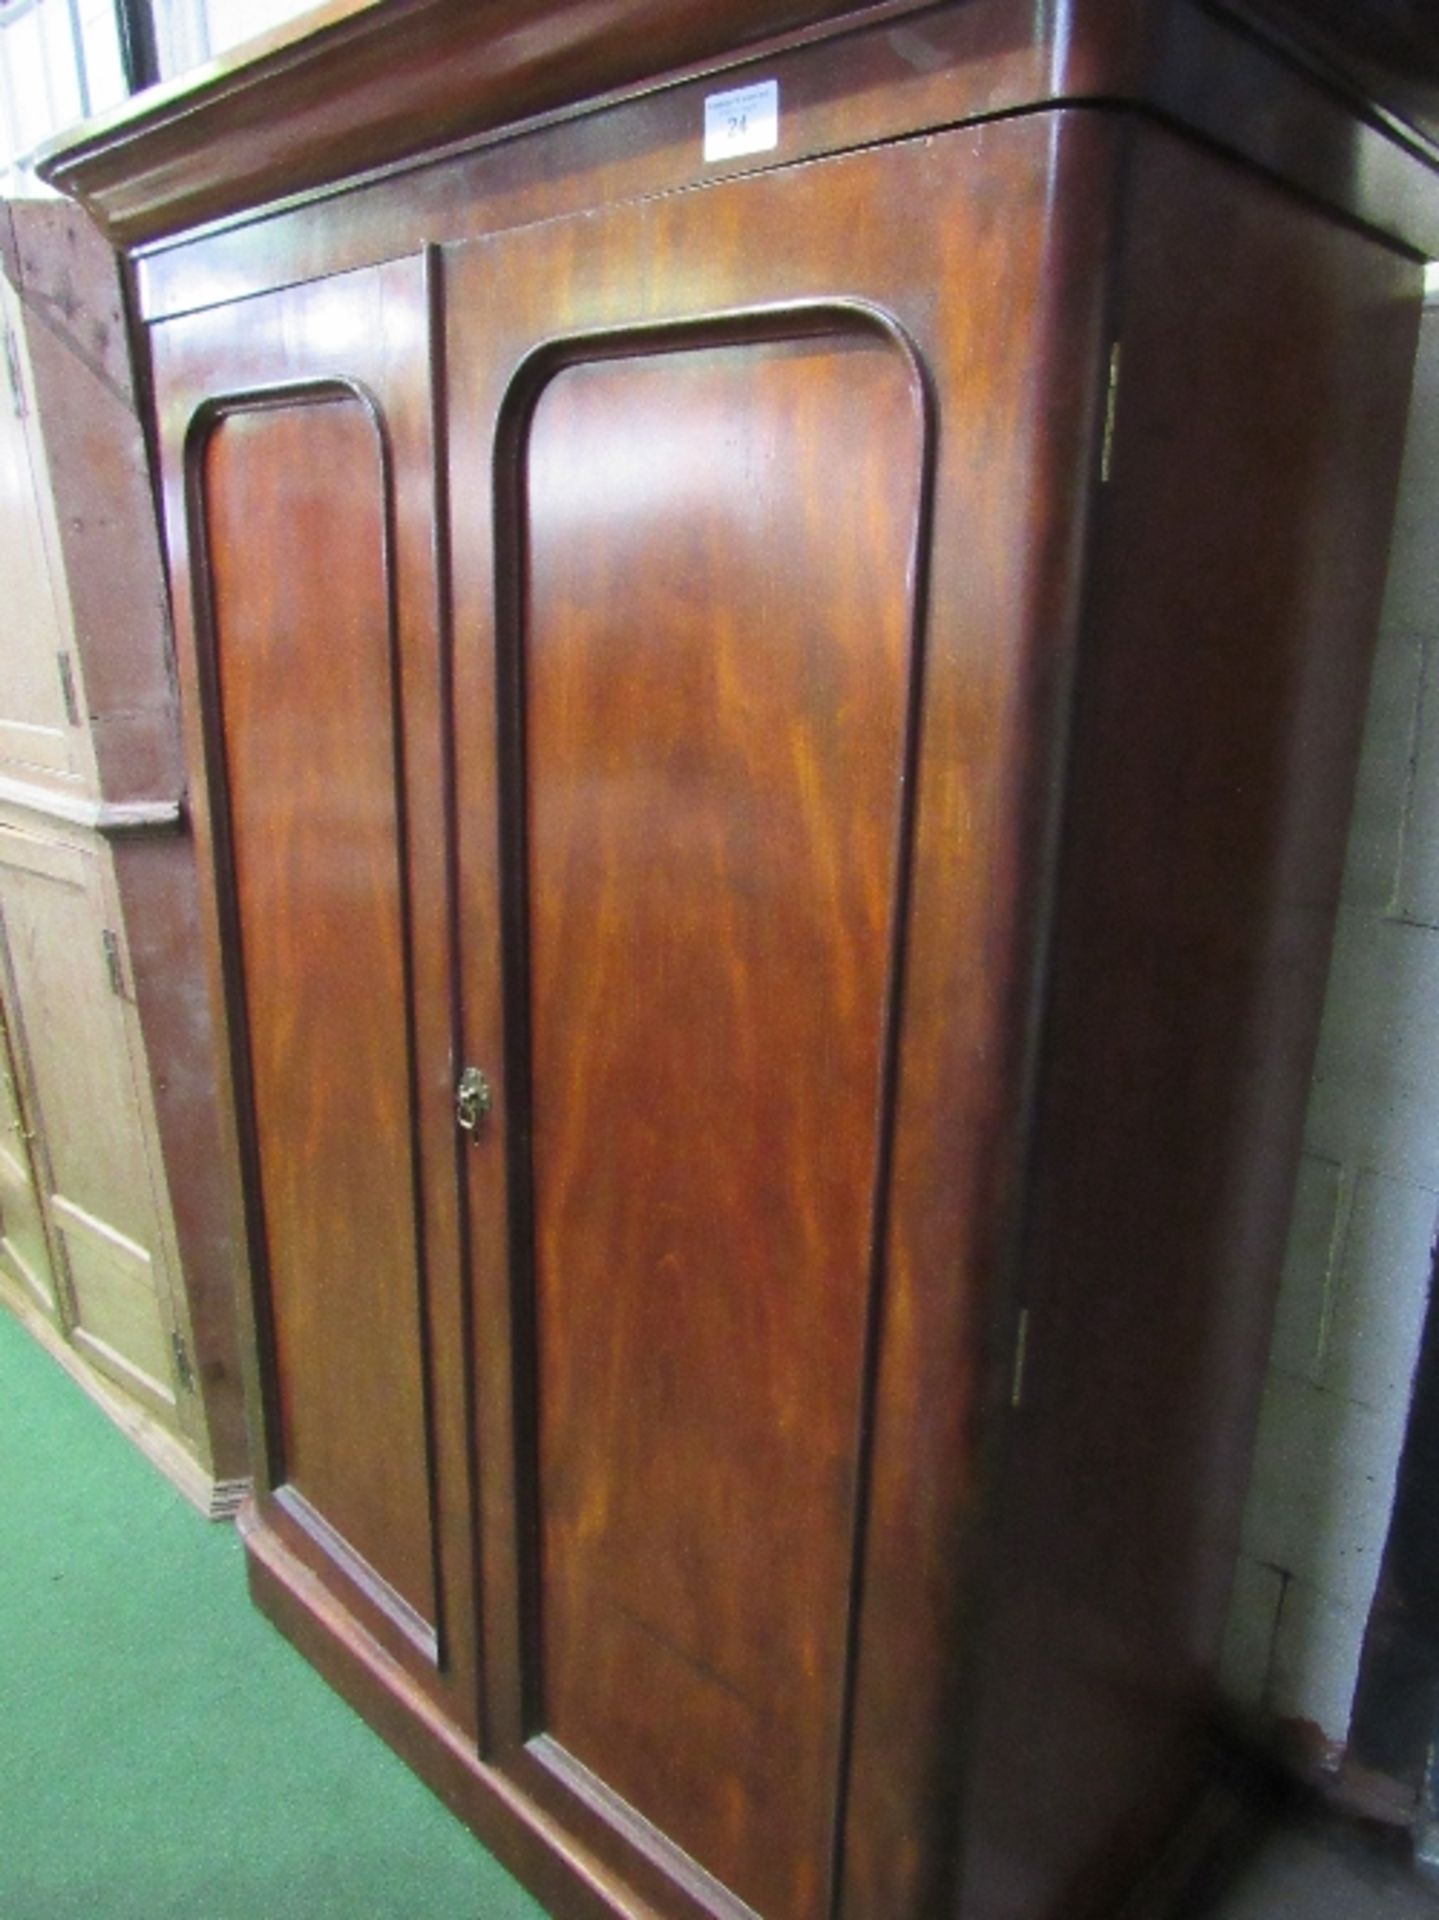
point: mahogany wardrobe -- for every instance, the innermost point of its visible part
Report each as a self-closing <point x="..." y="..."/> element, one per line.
<point x="773" y="606"/>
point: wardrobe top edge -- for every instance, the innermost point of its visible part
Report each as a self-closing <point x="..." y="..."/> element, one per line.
<point x="356" y="86"/>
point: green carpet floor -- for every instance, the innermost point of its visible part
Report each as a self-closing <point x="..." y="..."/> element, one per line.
<point x="163" y="1752"/>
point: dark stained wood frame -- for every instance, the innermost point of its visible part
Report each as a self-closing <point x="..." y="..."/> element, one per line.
<point x="357" y="86"/>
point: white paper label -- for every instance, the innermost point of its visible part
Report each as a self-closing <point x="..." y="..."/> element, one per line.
<point x="744" y="121"/>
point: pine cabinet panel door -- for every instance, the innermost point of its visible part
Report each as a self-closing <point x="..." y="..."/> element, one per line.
<point x="751" y="527"/>
<point x="75" y="1048"/>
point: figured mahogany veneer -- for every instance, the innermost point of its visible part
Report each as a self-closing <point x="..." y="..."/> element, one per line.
<point x="310" y="754"/>
<point x="734" y="883"/>
<point x="833" y="680"/>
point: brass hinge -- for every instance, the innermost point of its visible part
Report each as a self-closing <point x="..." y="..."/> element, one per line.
<point x="1021" y="1355"/>
<point x="1111" y="408"/>
<point x="65" y="1293"/>
<point x="12" y="369"/>
<point x="66" y="667"/>
<point x="110" y="944"/>
<point x="184" y="1372"/>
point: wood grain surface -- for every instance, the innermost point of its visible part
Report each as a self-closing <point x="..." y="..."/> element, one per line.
<point x="716" y="650"/>
<point x="377" y="86"/>
<point x="305" y="673"/>
<point x="1236" y="583"/>
<point x="662" y="290"/>
<point x="339" y="564"/>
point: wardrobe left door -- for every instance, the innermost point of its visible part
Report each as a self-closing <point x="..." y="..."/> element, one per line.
<point x="301" y="506"/>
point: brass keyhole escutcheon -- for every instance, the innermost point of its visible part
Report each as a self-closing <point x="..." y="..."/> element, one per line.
<point x="472" y="1101"/>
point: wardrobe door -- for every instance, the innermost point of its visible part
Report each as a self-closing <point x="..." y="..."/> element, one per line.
<point x="77" y="1048"/>
<point x="300" y="501"/>
<point x="752" y="521"/>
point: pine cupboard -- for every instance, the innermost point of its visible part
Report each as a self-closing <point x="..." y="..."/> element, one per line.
<point x="113" y="1246"/>
<point x="773" y="615"/>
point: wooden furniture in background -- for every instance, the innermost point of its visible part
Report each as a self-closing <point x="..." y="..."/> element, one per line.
<point x="24" y="1245"/>
<point x="773" y="730"/>
<point x="109" y="1088"/>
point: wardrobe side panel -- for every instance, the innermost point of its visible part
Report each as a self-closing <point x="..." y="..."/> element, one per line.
<point x="1263" y="368"/>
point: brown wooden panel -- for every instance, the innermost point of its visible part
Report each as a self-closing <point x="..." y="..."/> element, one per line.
<point x="715" y="662"/>
<point x="396" y="79"/>
<point x="1236" y="583"/>
<point x="1001" y="298"/>
<point x="863" y="85"/>
<point x="295" y="506"/>
<point x="408" y="75"/>
<point x="869" y="79"/>
<point x="357" y="333"/>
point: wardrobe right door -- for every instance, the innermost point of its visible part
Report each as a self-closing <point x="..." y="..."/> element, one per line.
<point x="758" y="492"/>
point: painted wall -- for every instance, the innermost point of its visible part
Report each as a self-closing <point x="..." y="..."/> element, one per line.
<point x="1359" y="1261"/>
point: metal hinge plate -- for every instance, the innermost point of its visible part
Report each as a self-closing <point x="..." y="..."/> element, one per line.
<point x="12" y="371"/>
<point x="1021" y="1357"/>
<point x="1111" y="409"/>
<point x="110" y="945"/>
<point x="184" y="1371"/>
<point x="66" y="668"/>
